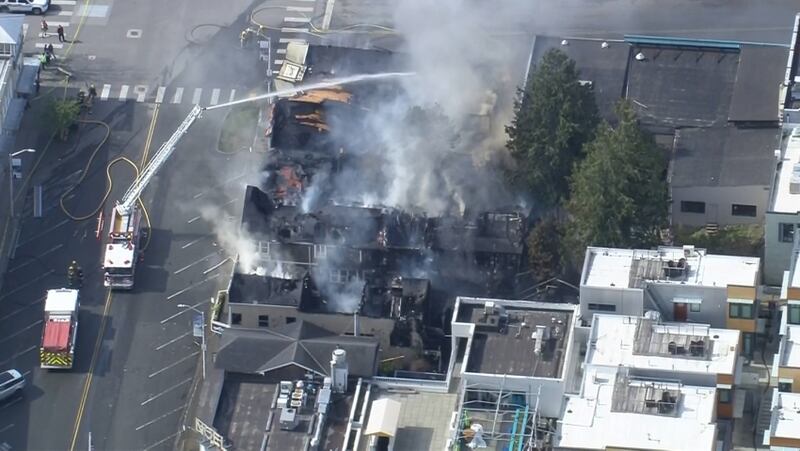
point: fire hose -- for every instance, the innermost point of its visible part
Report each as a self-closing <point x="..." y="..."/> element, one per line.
<point x="109" y="185"/>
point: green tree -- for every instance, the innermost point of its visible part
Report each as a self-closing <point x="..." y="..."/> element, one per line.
<point x="63" y="114"/>
<point x="554" y="116"/>
<point x="544" y="249"/>
<point x="619" y="192"/>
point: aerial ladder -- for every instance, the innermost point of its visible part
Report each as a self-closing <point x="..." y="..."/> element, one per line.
<point x="125" y="225"/>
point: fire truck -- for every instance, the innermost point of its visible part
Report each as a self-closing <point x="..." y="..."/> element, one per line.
<point x="61" y="308"/>
<point x="126" y="234"/>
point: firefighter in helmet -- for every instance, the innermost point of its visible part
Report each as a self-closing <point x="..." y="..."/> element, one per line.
<point x="75" y="274"/>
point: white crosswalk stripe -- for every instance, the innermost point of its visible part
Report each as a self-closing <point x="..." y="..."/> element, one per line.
<point x="160" y="94"/>
<point x="52" y="25"/>
<point x="288" y="40"/>
<point x="65" y="13"/>
<point x="214" y="96"/>
<point x="56" y="45"/>
<point x="232" y="97"/>
<point x="63" y="2"/>
<point x="297" y="19"/>
<point x="178" y="95"/>
<point x="294" y="30"/>
<point x="105" y="92"/>
<point x="196" y="97"/>
<point x="300" y="9"/>
<point x="277" y="62"/>
<point x="281" y="51"/>
<point x="123" y="92"/>
<point x="141" y="92"/>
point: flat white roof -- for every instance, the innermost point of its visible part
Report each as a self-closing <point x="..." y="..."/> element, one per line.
<point x="784" y="201"/>
<point x="790" y="354"/>
<point x="785" y="415"/>
<point x="118" y="256"/>
<point x="61" y="300"/>
<point x="608" y="267"/>
<point x="614" y="339"/>
<point x="587" y="421"/>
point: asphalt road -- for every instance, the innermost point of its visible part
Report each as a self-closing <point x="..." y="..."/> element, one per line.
<point x="136" y="355"/>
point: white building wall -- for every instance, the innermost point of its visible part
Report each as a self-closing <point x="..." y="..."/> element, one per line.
<point x="627" y="301"/>
<point x="777" y="254"/>
<point x="719" y="201"/>
<point x="713" y="310"/>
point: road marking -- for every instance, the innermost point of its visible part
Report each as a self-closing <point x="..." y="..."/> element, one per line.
<point x="25" y="351"/>
<point x="217" y="265"/>
<point x="26" y="328"/>
<point x="196" y="97"/>
<point x="41" y="45"/>
<point x="300" y="9"/>
<point x="193" y="219"/>
<point x="178" y="95"/>
<point x="149" y="140"/>
<point x="55" y="24"/>
<point x="36" y="279"/>
<point x="214" y="96"/>
<point x="63" y="2"/>
<point x="141" y="92"/>
<point x="65" y="13"/>
<point x="41" y="234"/>
<point x="173" y="365"/>
<point x="297" y="19"/>
<point x="139" y="428"/>
<point x="194" y="285"/>
<point x="193" y="242"/>
<point x="123" y="92"/>
<point x="232" y="97"/>
<point x="38" y="301"/>
<point x="277" y="62"/>
<point x="160" y="94"/>
<point x="82" y="405"/>
<point x="105" y="92"/>
<point x="281" y="51"/>
<point x="38" y="257"/>
<point x="162" y="346"/>
<point x="171" y="317"/>
<point x="183" y="382"/>
<point x="288" y="40"/>
<point x="192" y="264"/>
<point x="158" y="443"/>
<point x="294" y="30"/>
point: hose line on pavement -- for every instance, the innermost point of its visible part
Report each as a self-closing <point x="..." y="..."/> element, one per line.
<point x="109" y="185"/>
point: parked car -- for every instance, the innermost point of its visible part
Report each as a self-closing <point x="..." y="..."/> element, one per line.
<point x="11" y="383"/>
<point x="24" y="6"/>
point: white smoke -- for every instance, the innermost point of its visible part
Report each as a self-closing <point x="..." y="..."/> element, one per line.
<point x="235" y="240"/>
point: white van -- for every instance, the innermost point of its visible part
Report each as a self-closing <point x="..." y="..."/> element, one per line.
<point x="24" y="6"/>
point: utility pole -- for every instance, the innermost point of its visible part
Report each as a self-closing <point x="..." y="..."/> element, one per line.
<point x="202" y="334"/>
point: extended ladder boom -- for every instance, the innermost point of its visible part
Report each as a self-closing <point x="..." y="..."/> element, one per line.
<point x="124" y="206"/>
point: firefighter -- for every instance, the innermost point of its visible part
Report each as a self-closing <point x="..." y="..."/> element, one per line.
<point x="75" y="275"/>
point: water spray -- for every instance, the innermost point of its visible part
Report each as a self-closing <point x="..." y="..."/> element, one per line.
<point x="310" y="87"/>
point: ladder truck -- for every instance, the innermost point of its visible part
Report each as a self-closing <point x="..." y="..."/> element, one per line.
<point x="125" y="235"/>
<point x="57" y="349"/>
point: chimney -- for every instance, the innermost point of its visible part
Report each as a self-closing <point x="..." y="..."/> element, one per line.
<point x="355" y="323"/>
<point x="339" y="371"/>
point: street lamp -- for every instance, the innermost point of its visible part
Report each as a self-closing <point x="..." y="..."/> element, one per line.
<point x="11" y="176"/>
<point x="202" y="336"/>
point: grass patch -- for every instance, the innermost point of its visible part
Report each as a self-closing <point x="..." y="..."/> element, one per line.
<point x="238" y="129"/>
<point x="743" y="240"/>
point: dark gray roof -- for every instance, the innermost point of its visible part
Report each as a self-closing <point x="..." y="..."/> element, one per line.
<point x="724" y="156"/>
<point x="254" y="351"/>
<point x="756" y="92"/>
<point x="682" y="87"/>
<point x="605" y="68"/>
<point x="256" y="289"/>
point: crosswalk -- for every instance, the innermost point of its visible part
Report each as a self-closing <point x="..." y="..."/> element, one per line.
<point x="60" y="13"/>
<point x="164" y="94"/>
<point x="295" y="28"/>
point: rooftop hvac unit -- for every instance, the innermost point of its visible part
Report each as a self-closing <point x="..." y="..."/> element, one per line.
<point x="794" y="183"/>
